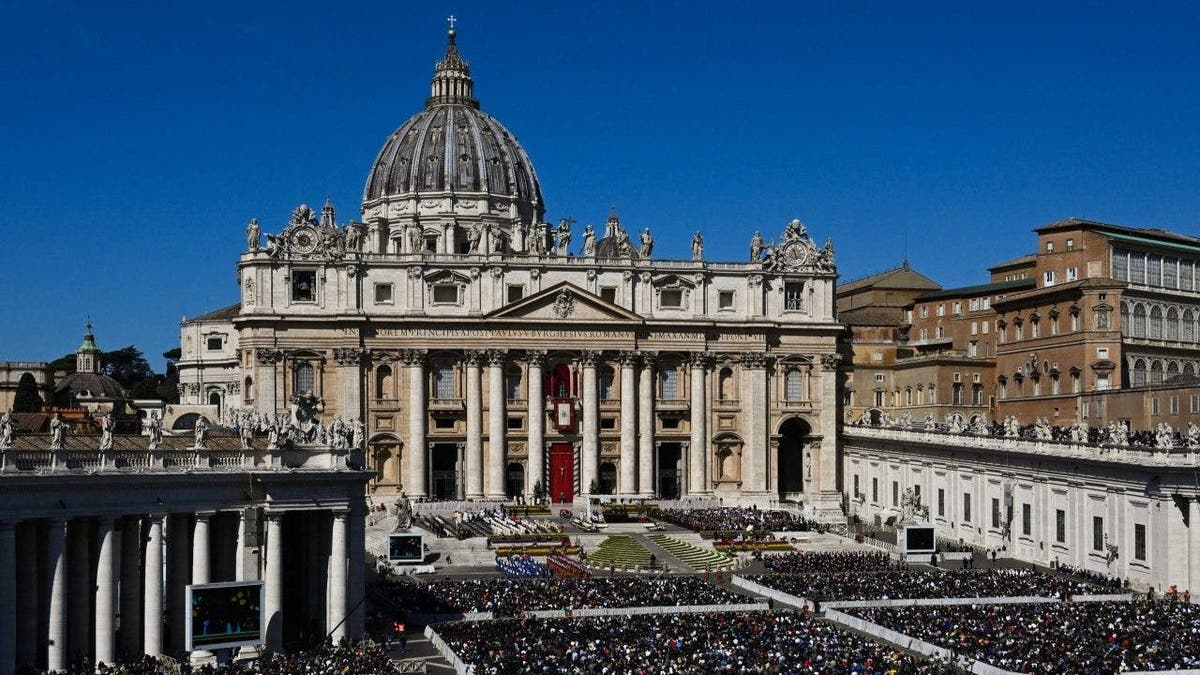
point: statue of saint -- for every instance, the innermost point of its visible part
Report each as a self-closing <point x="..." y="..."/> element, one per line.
<point x="589" y="241"/>
<point x="474" y="234"/>
<point x="108" y="427"/>
<point x="756" y="247"/>
<point x="564" y="236"/>
<point x="698" y="246"/>
<point x="403" y="512"/>
<point x="201" y="432"/>
<point x="647" y="243"/>
<point x="253" y="232"/>
<point x="246" y="431"/>
<point x="357" y="440"/>
<point x="8" y="427"/>
<point x="58" y="432"/>
<point x="156" y="432"/>
<point x="272" y="435"/>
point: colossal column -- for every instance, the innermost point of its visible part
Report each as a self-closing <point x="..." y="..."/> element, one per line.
<point x="106" y="590"/>
<point x="356" y="574"/>
<point x="646" y="426"/>
<point x="591" y="422"/>
<point x="179" y="553"/>
<point x="1194" y="544"/>
<point x="496" y="425"/>
<point x="79" y="589"/>
<point x="56" y="572"/>
<point x="273" y="582"/>
<point x="336" y="619"/>
<point x="28" y="648"/>
<point x="8" y="601"/>
<point x="629" y="467"/>
<point x="536" y="420"/>
<point x="152" y="619"/>
<point x="474" y="458"/>
<point x="756" y="412"/>
<point x="698" y="459"/>
<point x="418" y="476"/>
<point x="131" y="584"/>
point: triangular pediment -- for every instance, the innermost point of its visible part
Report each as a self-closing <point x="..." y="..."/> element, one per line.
<point x="565" y="301"/>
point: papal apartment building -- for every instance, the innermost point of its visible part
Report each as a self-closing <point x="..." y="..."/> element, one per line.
<point x="486" y="350"/>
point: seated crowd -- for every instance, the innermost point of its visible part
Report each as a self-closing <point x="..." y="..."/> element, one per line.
<point x="747" y="642"/>
<point x="734" y="518"/>
<point x="914" y="583"/>
<point x="827" y="563"/>
<point x="344" y="659"/>
<point x="1069" y="637"/>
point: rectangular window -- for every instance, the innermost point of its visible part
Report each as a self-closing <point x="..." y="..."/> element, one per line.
<point x="941" y="501"/>
<point x="1137" y="268"/>
<point x="1070" y="244"/>
<point x="1154" y="406"/>
<point x="958" y="307"/>
<point x="985" y="327"/>
<point x="1027" y="519"/>
<point x="515" y="292"/>
<point x="995" y="513"/>
<point x="383" y="294"/>
<point x="1060" y="526"/>
<point x="608" y="294"/>
<point x="1195" y="403"/>
<point x="973" y="305"/>
<point x="941" y="310"/>
<point x="1097" y="533"/>
<point x="1139" y="542"/>
<point x="1174" y="405"/>
<point x="670" y="298"/>
<point x="443" y="381"/>
<point x="874" y="490"/>
<point x="670" y="383"/>
<point x="1072" y="273"/>
<point x="214" y="343"/>
<point x="608" y="423"/>
<point x="725" y="300"/>
<point x="793" y="296"/>
<point x="443" y="423"/>
<point x="895" y="493"/>
<point x="974" y="328"/>
<point x="304" y="286"/>
<point x="880" y="377"/>
<point x="445" y="294"/>
<point x="514" y="423"/>
<point x="986" y="304"/>
<point x="1048" y="277"/>
<point x="1120" y="265"/>
<point x="925" y="311"/>
<point x="1170" y="273"/>
<point x="973" y="348"/>
<point x="966" y="507"/>
<point x="1154" y="270"/>
<point x="1049" y="247"/>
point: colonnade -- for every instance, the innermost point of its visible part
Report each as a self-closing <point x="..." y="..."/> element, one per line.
<point x="114" y="585"/>
<point x="486" y="447"/>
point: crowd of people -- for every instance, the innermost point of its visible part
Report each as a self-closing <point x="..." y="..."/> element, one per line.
<point x="363" y="658"/>
<point x="829" y="562"/>
<point x="1064" y="637"/>
<point x="748" y="642"/>
<point x="732" y="518"/>
<point x="914" y="583"/>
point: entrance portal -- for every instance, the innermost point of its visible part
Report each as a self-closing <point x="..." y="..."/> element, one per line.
<point x="792" y="434"/>
<point x="669" y="471"/>
<point x="562" y="473"/>
<point x="514" y="480"/>
<point x="444" y="471"/>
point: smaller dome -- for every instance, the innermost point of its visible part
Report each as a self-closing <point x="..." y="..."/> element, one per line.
<point x="90" y="385"/>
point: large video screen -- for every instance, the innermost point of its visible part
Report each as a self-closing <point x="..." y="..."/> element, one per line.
<point x="406" y="548"/>
<point x="224" y="615"/>
<point x="919" y="539"/>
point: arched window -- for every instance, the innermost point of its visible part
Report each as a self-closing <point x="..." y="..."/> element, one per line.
<point x="302" y="378"/>
<point x="443" y="380"/>
<point x="1172" y="325"/>
<point x="1172" y="370"/>
<point x="1156" y="372"/>
<point x="1125" y="326"/>
<point x="1189" y="369"/>
<point x="606" y="383"/>
<point x="248" y="388"/>
<point x="1137" y="377"/>
<point x="1156" y="323"/>
<point x="793" y="385"/>
<point x="1188" y="334"/>
<point x="726" y="387"/>
<point x="1139" y="321"/>
<point x="668" y="383"/>
<point x="383" y="382"/>
<point x="214" y="398"/>
<point x="512" y="383"/>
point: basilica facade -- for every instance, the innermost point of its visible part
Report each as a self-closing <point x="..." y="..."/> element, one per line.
<point x="491" y="354"/>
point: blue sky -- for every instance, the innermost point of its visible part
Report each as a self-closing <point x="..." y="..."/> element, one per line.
<point x="137" y="138"/>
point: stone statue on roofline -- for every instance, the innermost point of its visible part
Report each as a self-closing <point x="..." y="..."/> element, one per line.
<point x="647" y="243"/>
<point x="589" y="241"/>
<point x="563" y="237"/>
<point x="156" y="432"/>
<point x="697" y="246"/>
<point x="253" y="233"/>
<point x="7" y="428"/>
<point x="757" y="246"/>
<point x="58" y="432"/>
<point x="108" y="426"/>
<point x="201" y="432"/>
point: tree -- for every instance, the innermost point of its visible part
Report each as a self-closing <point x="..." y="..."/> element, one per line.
<point x="168" y="386"/>
<point x="27" y="398"/>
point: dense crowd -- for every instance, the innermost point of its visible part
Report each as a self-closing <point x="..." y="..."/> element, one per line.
<point x="344" y="659"/>
<point x="913" y="583"/>
<point x="735" y="518"/>
<point x="831" y="562"/>
<point x="748" y="642"/>
<point x="1070" y="637"/>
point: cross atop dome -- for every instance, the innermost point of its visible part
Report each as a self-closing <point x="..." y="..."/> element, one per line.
<point x="452" y="75"/>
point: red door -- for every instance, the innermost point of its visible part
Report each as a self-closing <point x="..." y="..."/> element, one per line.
<point x="562" y="473"/>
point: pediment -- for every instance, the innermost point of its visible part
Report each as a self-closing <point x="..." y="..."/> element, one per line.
<point x="565" y="302"/>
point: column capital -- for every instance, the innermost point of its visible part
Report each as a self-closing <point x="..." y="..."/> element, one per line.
<point x="627" y="359"/>
<point x="756" y="360"/>
<point x="588" y="358"/>
<point x="649" y="359"/>
<point x="700" y="360"/>
<point x="349" y="356"/>
<point x="272" y="515"/>
<point x="497" y="358"/>
<point x="474" y="357"/>
<point x="534" y="357"/>
<point x="413" y="357"/>
<point x="205" y="515"/>
<point x="340" y="514"/>
<point x="830" y="361"/>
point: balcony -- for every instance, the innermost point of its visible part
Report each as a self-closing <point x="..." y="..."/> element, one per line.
<point x="447" y="404"/>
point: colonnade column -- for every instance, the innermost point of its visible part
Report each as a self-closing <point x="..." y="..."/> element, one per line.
<point x="698" y="459"/>
<point x="356" y="574"/>
<point x="536" y="421"/>
<point x="27" y="595"/>
<point x="8" y="600"/>
<point x="336" y="619"/>
<point x="418" y="475"/>
<point x="106" y="590"/>
<point x="179" y="553"/>
<point x="131" y="584"/>
<point x="474" y="459"/>
<point x="152" y="614"/>
<point x="646" y="426"/>
<point x="1194" y="545"/>
<point x="591" y="422"/>
<point x="496" y="425"/>
<point x="201" y="565"/>
<point x="79" y="589"/>
<point x="628" y="423"/>
<point x="273" y="582"/>
<point x="56" y="571"/>
<point x="756" y="413"/>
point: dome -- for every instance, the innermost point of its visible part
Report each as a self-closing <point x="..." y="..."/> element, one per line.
<point x="89" y="385"/>
<point x="453" y="148"/>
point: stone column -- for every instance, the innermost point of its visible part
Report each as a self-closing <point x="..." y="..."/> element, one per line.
<point x="273" y="582"/>
<point x="698" y="458"/>
<point x="349" y="363"/>
<point x="496" y="425"/>
<point x="106" y="590"/>
<point x="1194" y="545"/>
<point x="418" y="475"/>
<point x="756" y="415"/>
<point x="201" y="570"/>
<point x="628" y="483"/>
<point x="28" y="646"/>
<point x="536" y="421"/>
<point x="591" y="422"/>
<point x="266" y="379"/>
<point x="8" y="600"/>
<point x="336" y="619"/>
<point x="79" y="589"/>
<point x="152" y="619"/>
<point x="356" y="574"/>
<point x="131" y="584"/>
<point x="474" y="427"/>
<point x="179" y="551"/>
<point x="56" y="573"/>
<point x="825" y="480"/>
<point x="646" y="445"/>
<point x="239" y="548"/>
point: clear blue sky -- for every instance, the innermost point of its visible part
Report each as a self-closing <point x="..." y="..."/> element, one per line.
<point x="137" y="138"/>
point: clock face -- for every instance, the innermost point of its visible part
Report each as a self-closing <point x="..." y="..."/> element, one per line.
<point x="794" y="254"/>
<point x="304" y="240"/>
